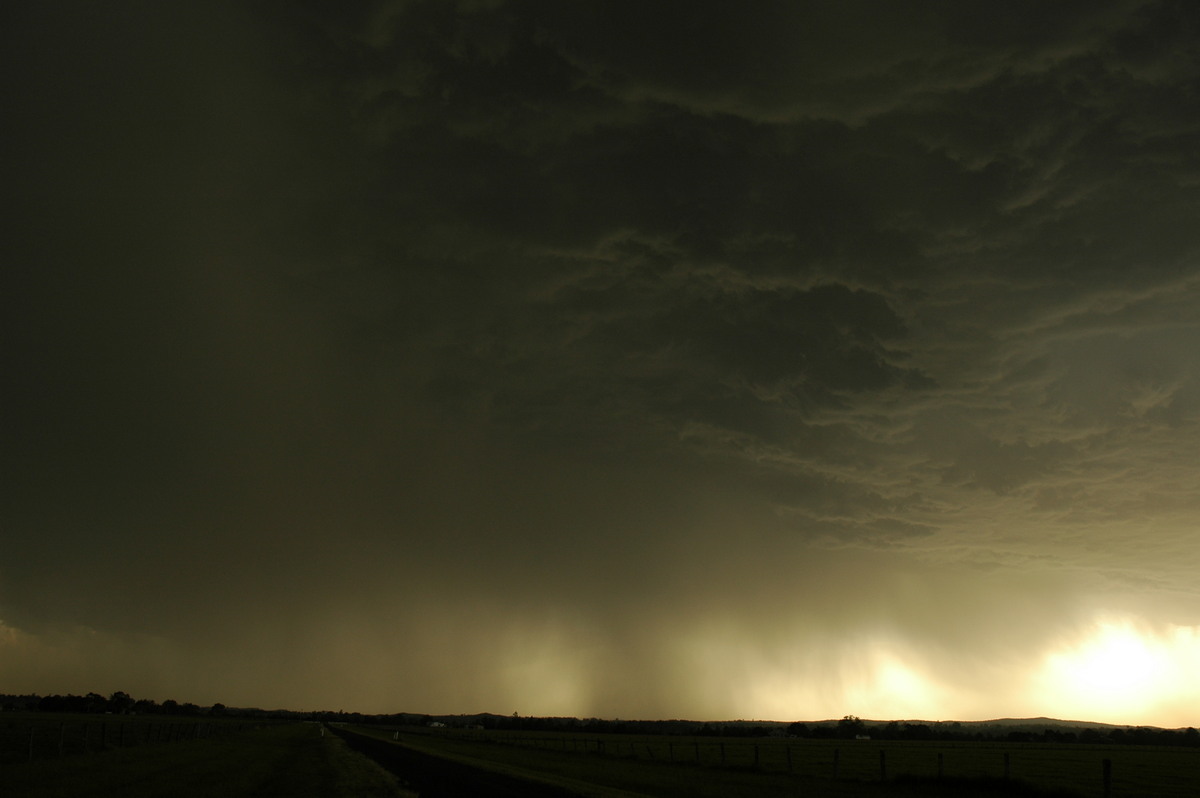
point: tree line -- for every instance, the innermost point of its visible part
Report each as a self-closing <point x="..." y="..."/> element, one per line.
<point x="847" y="728"/>
<point x="118" y="703"/>
<point x="851" y="727"/>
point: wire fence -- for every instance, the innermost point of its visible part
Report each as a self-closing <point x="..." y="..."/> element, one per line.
<point x="24" y="739"/>
<point x="1093" y="770"/>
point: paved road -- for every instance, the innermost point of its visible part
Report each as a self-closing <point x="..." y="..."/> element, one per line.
<point x="434" y="777"/>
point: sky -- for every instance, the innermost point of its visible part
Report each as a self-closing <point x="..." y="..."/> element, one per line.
<point x="706" y="360"/>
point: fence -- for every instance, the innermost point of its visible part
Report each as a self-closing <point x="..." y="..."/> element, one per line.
<point x="1094" y="770"/>
<point x="27" y="738"/>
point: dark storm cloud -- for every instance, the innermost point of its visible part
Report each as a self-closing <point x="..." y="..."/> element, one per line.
<point x="610" y="338"/>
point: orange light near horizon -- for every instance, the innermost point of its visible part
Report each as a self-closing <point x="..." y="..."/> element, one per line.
<point x="876" y="677"/>
<point x="892" y="687"/>
<point x="1122" y="672"/>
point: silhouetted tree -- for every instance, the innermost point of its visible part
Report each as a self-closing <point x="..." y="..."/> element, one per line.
<point x="798" y="729"/>
<point x="51" y="703"/>
<point x="917" y="731"/>
<point x="120" y="702"/>
<point x="824" y="731"/>
<point x="851" y="726"/>
<point x="96" y="703"/>
<point x="144" y="706"/>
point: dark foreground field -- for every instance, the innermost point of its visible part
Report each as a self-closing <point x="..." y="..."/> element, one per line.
<point x="450" y="764"/>
<point x="436" y="777"/>
<point x="294" y="760"/>
<point x="307" y="760"/>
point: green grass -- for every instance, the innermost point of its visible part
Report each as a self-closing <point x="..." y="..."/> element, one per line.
<point x="644" y="765"/>
<point x="292" y="760"/>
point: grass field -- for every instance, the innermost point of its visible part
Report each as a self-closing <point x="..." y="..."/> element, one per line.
<point x="293" y="760"/>
<point x="663" y="766"/>
<point x="297" y="760"/>
<point x="32" y="735"/>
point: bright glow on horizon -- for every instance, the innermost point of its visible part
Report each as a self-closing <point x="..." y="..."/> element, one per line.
<point x="1119" y="671"/>
<point x="892" y="688"/>
<point x="875" y="677"/>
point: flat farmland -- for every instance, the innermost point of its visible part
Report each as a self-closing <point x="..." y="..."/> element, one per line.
<point x="290" y="759"/>
<point x="29" y="736"/>
<point x="679" y="766"/>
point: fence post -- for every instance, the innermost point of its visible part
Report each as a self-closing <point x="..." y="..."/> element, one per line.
<point x="837" y="754"/>
<point x="756" y="755"/>
<point x="1006" y="769"/>
<point x="30" y="742"/>
<point x="882" y="765"/>
<point x="789" y="758"/>
<point x="722" y="753"/>
<point x="1107" y="766"/>
<point x="939" y="764"/>
<point x="671" y="751"/>
<point x="697" y="752"/>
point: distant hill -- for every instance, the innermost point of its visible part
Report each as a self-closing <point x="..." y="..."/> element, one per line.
<point x="1039" y="721"/>
<point x="1022" y="723"/>
<point x="1079" y="724"/>
<point x="491" y="719"/>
